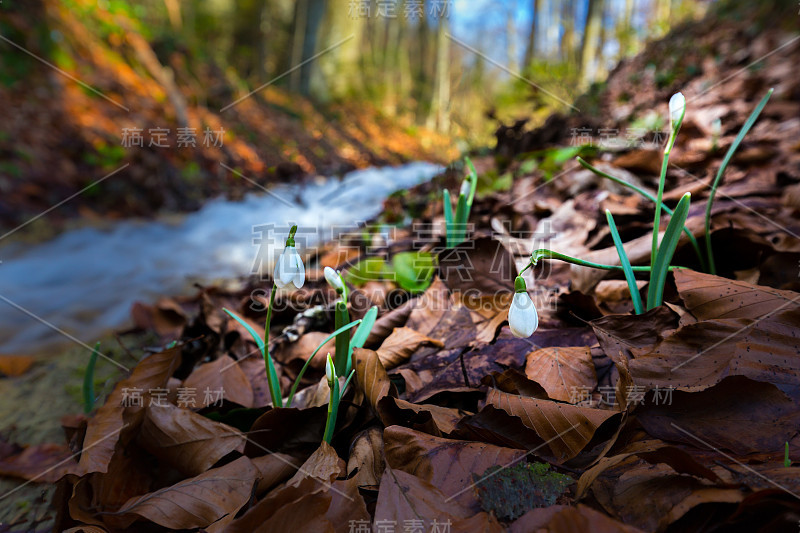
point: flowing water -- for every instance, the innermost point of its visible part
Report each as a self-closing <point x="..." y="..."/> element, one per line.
<point x="82" y="283"/>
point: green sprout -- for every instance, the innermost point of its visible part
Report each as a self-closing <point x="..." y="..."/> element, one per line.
<point x="457" y="226"/>
<point x="786" y="461"/>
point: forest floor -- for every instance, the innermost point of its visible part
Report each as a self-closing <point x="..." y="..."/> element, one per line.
<point x="139" y="130"/>
<point x="677" y="419"/>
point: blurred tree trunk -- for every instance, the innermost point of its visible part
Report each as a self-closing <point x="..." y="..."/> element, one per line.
<point x="568" y="37"/>
<point x="591" y="32"/>
<point x="174" y="13"/>
<point x="439" y="116"/>
<point x="338" y="72"/>
<point x="308" y="19"/>
<point x="530" y="50"/>
<point x="626" y="33"/>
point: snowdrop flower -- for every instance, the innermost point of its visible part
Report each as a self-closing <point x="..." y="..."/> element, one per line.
<point x="466" y="187"/>
<point x="334" y="279"/>
<point x="330" y="371"/>
<point x="522" y="316"/>
<point x="289" y="268"/>
<point x="677" y="106"/>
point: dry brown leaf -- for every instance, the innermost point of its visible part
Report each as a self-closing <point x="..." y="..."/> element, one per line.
<point x="196" y="502"/>
<point x="366" y="456"/>
<point x="372" y="377"/>
<point x="400" y="412"/>
<point x="274" y="468"/>
<point x="224" y="374"/>
<point x="403" y="496"/>
<point x="398" y="347"/>
<point x="186" y="440"/>
<point x="15" y="365"/>
<point x="700" y="355"/>
<point x="446" y="464"/>
<point x="105" y="428"/>
<point x="562" y="370"/>
<point x="567" y="429"/>
<point x="41" y="463"/>
<point x="709" y="297"/>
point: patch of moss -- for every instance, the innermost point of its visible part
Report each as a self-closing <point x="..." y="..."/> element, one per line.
<point x="511" y="492"/>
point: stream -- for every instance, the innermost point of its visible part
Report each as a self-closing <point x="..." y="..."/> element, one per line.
<point x="83" y="282"/>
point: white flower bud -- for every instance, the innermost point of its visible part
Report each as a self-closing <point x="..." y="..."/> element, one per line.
<point x="677" y="106"/>
<point x="333" y="279"/>
<point x="522" y="316"/>
<point x="330" y="370"/>
<point x="289" y="269"/>
<point x="466" y="187"/>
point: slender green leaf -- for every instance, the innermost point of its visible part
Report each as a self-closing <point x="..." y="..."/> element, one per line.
<point x="272" y="375"/>
<point x="462" y="214"/>
<point x="414" y="270"/>
<point x="746" y="128"/>
<point x="308" y="361"/>
<point x="448" y="217"/>
<point x="626" y="265"/>
<point x="658" y="275"/>
<point x="473" y="178"/>
<point x="644" y="194"/>
<point x="88" y="381"/>
<point x="333" y="411"/>
<point x="361" y="334"/>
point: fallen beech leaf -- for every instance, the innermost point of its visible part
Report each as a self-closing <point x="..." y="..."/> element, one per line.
<point x="196" y="502"/>
<point x="404" y="497"/>
<point x="708" y="297"/>
<point x="15" y="365"/>
<point x="383" y="327"/>
<point x="372" y="377"/>
<point x="398" y="347"/>
<point x="224" y="374"/>
<point x="583" y="518"/>
<point x="654" y="451"/>
<point x="105" y="428"/>
<point x="738" y="414"/>
<point x="367" y="456"/>
<point x="562" y="370"/>
<point x="274" y="468"/>
<point x="670" y="495"/>
<point x="347" y="505"/>
<point x="700" y="355"/>
<point x="288" y="430"/>
<point x="566" y="428"/>
<point x="478" y="266"/>
<point x="41" y="463"/>
<point x="446" y="464"/>
<point x="619" y="334"/>
<point x="443" y="420"/>
<point x="186" y="440"/>
<point x="304" y="347"/>
<point x="324" y="465"/>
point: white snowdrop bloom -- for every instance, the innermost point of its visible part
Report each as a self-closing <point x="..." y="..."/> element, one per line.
<point x="522" y="316"/>
<point x="289" y="269"/>
<point x="333" y="279"/>
<point x="677" y="106"/>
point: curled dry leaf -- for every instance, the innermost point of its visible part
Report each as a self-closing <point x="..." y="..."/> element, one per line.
<point x="405" y="497"/>
<point x="222" y="374"/>
<point x="700" y="355"/>
<point x="740" y="415"/>
<point x="186" y="440"/>
<point x="397" y="348"/>
<point x="562" y="370"/>
<point x="367" y="458"/>
<point x="372" y="377"/>
<point x="708" y="297"/>
<point x="446" y="464"/>
<point x="193" y="503"/>
<point x="428" y="418"/>
<point x="566" y="429"/>
<point x="105" y="428"/>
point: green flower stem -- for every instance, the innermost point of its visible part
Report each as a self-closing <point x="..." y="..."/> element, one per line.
<point x="653" y="199"/>
<point x="272" y="375"/>
<point x="333" y="410"/>
<point x="88" y="381"/>
<point x="341" y="317"/>
<point x="544" y="253"/>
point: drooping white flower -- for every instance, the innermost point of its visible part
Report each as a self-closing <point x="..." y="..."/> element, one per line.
<point x="522" y="316"/>
<point x="289" y="269"/>
<point x="334" y="279"/>
<point x="677" y="106"/>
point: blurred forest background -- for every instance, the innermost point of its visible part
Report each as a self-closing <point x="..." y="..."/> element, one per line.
<point x="295" y="87"/>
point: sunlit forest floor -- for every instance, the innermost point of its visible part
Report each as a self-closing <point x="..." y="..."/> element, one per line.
<point x="450" y="392"/>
